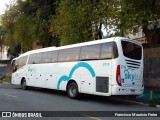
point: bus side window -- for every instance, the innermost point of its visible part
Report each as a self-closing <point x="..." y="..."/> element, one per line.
<point x="34" y="58"/>
<point x="49" y="57"/>
<point x="90" y="52"/>
<point x="115" y="51"/>
<point x="106" y="51"/>
<point x="67" y="55"/>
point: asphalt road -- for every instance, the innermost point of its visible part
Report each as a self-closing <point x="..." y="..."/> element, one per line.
<point x="13" y="98"/>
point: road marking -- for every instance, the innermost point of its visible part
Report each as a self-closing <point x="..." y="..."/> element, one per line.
<point x="11" y="95"/>
<point x="94" y="118"/>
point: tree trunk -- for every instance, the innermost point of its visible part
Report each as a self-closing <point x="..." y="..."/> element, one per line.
<point x="152" y="36"/>
<point x="100" y="31"/>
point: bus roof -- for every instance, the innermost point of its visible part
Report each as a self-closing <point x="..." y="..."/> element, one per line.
<point x="76" y="45"/>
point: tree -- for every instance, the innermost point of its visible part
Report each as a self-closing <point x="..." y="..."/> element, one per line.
<point x="79" y="21"/>
<point x="7" y="25"/>
<point x="67" y="24"/>
<point x="43" y="12"/>
<point x="1" y="39"/>
<point x="129" y="14"/>
<point x="28" y="21"/>
<point x="38" y="13"/>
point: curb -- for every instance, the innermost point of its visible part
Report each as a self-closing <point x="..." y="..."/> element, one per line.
<point x="139" y="103"/>
<point x="135" y="102"/>
<point x="6" y="83"/>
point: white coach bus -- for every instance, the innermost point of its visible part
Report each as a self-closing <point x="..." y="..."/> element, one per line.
<point x="112" y="66"/>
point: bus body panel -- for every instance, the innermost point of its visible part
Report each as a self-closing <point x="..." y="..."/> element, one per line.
<point x="92" y="76"/>
<point x="131" y="72"/>
<point x="46" y="76"/>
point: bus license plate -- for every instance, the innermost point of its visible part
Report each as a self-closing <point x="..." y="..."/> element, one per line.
<point x="132" y="91"/>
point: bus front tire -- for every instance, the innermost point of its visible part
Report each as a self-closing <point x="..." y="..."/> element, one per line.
<point x="72" y="90"/>
<point x="24" y="85"/>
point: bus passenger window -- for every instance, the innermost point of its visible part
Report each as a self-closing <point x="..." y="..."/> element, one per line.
<point x="34" y="58"/>
<point x="106" y="50"/>
<point x="90" y="52"/>
<point x="49" y="57"/>
<point x="67" y="55"/>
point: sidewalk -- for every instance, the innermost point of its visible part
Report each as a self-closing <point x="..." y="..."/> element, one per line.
<point x="145" y="99"/>
<point x="9" y="86"/>
<point x="150" y="97"/>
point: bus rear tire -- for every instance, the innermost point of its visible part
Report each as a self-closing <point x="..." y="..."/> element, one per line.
<point x="72" y="90"/>
<point x="24" y="85"/>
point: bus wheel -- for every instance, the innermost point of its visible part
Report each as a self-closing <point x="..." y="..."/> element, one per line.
<point x="24" y="86"/>
<point x="72" y="90"/>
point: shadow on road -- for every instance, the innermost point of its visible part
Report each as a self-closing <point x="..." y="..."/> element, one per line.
<point x="83" y="97"/>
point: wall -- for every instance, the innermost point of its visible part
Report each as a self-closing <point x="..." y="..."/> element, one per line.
<point x="3" y="71"/>
<point x="5" y="68"/>
<point x="152" y="68"/>
<point x="3" y="53"/>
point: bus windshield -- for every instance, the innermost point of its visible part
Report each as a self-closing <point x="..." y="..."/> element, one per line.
<point x="14" y="66"/>
<point x="131" y="50"/>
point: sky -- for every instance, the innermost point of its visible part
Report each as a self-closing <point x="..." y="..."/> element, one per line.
<point x="3" y="5"/>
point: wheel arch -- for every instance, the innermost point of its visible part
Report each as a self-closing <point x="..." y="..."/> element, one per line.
<point x="70" y="81"/>
<point x="23" y="79"/>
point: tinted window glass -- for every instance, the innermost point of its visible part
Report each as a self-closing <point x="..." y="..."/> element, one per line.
<point x="34" y="58"/>
<point x="71" y="54"/>
<point x="131" y="50"/>
<point x="106" y="50"/>
<point x="91" y="52"/>
<point x="21" y="61"/>
<point x="115" y="51"/>
<point x="14" y="67"/>
<point x="49" y="57"/>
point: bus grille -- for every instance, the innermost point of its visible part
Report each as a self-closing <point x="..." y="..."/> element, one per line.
<point x="133" y="64"/>
<point x="102" y="84"/>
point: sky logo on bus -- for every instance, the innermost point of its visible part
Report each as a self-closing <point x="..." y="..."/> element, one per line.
<point x="78" y="65"/>
<point x="131" y="76"/>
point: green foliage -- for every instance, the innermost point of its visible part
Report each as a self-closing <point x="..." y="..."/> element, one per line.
<point x="7" y="21"/>
<point x="43" y="11"/>
<point x="79" y="21"/>
<point x="127" y="15"/>
<point x="6" y="79"/>
<point x="24" y="32"/>
<point x="69" y="24"/>
<point x="62" y="22"/>
<point x="28" y="21"/>
<point x="14" y="51"/>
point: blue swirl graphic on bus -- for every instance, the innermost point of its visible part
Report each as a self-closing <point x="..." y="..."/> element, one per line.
<point x="78" y="65"/>
<point x="29" y="69"/>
